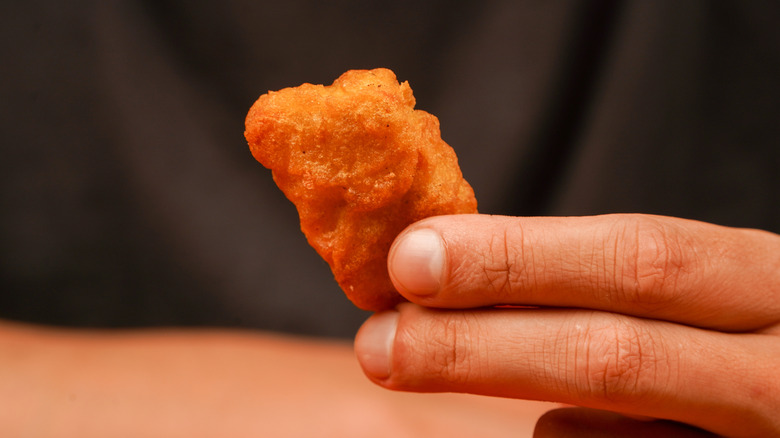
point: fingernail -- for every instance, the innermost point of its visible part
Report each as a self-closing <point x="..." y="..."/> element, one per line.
<point x="374" y="344"/>
<point x="416" y="262"/>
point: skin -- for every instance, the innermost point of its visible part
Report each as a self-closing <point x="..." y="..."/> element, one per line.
<point x="651" y="317"/>
<point x="646" y="316"/>
<point x="59" y="383"/>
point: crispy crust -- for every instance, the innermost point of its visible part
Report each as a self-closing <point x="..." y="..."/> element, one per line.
<point x="360" y="164"/>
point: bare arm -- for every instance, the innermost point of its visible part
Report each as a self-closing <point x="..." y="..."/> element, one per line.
<point x="216" y="383"/>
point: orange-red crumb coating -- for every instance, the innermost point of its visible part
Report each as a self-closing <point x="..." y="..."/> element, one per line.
<point x="360" y="164"/>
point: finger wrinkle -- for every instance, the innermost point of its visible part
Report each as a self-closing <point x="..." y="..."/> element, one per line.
<point x="650" y="264"/>
<point x="454" y="351"/>
<point x="498" y="268"/>
<point x="619" y="361"/>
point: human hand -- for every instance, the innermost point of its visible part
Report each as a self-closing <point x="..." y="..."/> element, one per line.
<point x="641" y="315"/>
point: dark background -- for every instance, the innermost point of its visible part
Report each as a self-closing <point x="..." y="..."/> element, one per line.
<point x="128" y="196"/>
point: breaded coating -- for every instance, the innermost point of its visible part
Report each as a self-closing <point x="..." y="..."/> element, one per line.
<point x="360" y="164"/>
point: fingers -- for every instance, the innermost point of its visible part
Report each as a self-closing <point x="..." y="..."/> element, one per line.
<point x="649" y="266"/>
<point x="595" y="359"/>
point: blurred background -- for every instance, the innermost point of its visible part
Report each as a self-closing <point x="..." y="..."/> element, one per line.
<point x="128" y="196"/>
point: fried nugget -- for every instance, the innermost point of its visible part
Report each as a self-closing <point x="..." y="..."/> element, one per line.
<point x="360" y="164"/>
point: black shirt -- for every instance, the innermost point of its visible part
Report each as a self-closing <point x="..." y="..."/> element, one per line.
<point x="129" y="197"/>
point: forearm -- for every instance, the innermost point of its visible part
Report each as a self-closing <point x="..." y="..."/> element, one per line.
<point x="203" y="383"/>
<point x="170" y="383"/>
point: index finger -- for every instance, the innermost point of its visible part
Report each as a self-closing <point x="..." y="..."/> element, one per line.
<point x="648" y="266"/>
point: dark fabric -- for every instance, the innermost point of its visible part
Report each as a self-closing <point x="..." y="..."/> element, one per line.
<point x="129" y="197"/>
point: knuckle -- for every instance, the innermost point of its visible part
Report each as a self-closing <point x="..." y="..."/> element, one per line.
<point x="653" y="260"/>
<point x="451" y="359"/>
<point x="621" y="363"/>
<point x="501" y="264"/>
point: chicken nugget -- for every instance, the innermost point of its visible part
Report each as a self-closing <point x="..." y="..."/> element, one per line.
<point x="360" y="164"/>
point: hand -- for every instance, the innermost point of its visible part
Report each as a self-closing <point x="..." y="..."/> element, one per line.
<point x="642" y="315"/>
